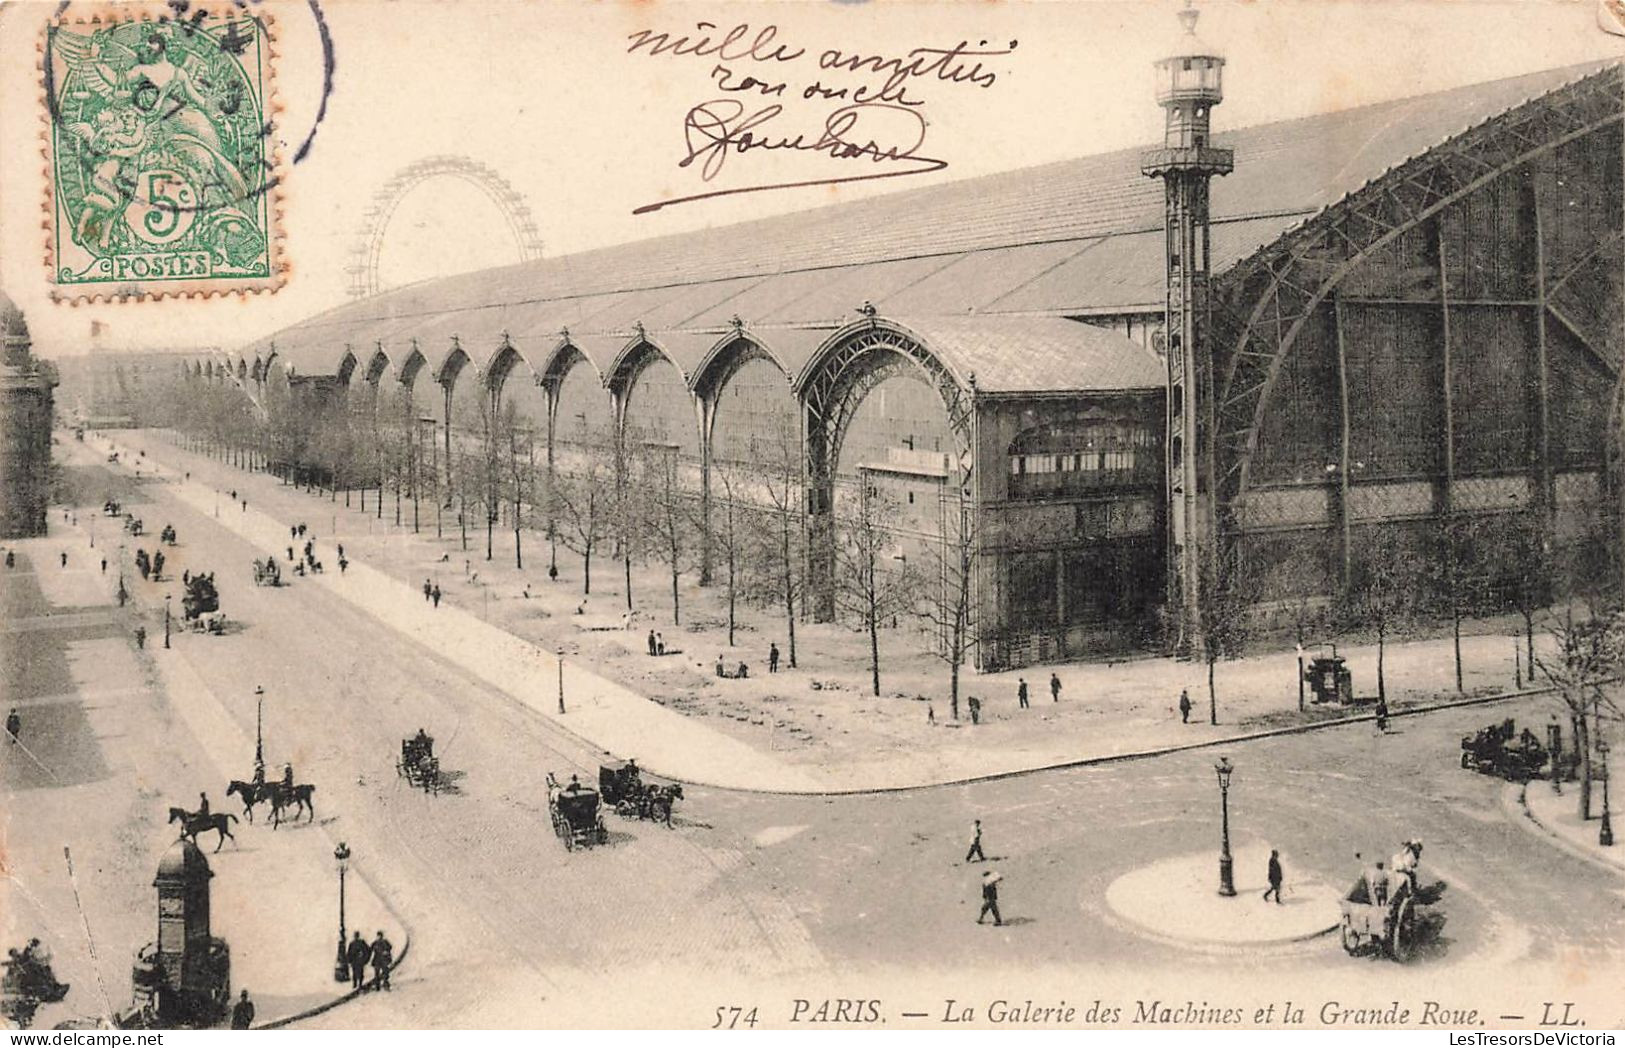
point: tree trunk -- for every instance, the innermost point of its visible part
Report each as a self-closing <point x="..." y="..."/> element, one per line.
<point x="1382" y="650"/>
<point x="1455" y="631"/>
<point x="586" y="571"/>
<point x="731" y="594"/>
<point x="953" y="671"/>
<point x="490" y="533"/>
<point x="874" y="650"/>
<point x="789" y="586"/>
<point x="1583" y="741"/>
<point x="676" y="607"/>
<point x="1529" y="638"/>
<point x="626" y="559"/>
<point x="1212" y="695"/>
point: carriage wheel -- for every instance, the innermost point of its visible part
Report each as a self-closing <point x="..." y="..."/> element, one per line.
<point x="1351" y="938"/>
<point x="1402" y="940"/>
<point x="1466" y="760"/>
<point x="569" y="841"/>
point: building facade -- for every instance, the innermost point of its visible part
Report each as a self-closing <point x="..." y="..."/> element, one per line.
<point x="26" y="386"/>
<point x="1408" y="339"/>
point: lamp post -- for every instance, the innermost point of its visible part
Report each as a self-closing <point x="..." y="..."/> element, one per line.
<point x="561" y="680"/>
<point x="1605" y="835"/>
<point x="1300" y="671"/>
<point x="259" y="734"/>
<point x="1227" y="881"/>
<point x="341" y="967"/>
<point x="167" y="598"/>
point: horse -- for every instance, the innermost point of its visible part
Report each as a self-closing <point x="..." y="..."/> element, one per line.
<point x="252" y="793"/>
<point x="297" y="797"/>
<point x="193" y="824"/>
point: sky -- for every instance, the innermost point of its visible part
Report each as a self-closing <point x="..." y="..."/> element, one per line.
<point x="587" y="127"/>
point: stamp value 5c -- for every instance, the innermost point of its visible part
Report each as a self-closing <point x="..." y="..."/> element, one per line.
<point x="162" y="166"/>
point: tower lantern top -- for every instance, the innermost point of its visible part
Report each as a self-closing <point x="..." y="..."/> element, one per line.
<point x="1195" y="72"/>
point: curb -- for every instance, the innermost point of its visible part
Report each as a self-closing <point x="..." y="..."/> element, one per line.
<point x="1515" y="803"/>
<point x="327" y="1006"/>
<point x="1113" y="758"/>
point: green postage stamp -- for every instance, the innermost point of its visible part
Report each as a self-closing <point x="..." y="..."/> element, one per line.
<point x="161" y="162"/>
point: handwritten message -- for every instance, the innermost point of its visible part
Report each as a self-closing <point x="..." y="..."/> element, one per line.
<point x="848" y="114"/>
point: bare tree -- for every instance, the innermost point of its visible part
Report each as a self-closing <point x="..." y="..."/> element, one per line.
<point x="521" y="476"/>
<point x="1384" y="589"/>
<point x="867" y="587"/>
<point x="776" y="463"/>
<point x="947" y="606"/>
<point x="734" y="536"/>
<point x="666" y="512"/>
<point x="1590" y="649"/>
<point x="582" y="504"/>
<point x="1226" y="616"/>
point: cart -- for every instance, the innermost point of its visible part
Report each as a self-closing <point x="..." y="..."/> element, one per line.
<point x="576" y="814"/>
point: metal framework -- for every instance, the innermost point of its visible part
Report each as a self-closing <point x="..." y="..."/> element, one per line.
<point x="1286" y="282"/>
<point x="368" y="247"/>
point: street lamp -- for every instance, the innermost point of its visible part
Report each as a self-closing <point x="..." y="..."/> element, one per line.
<point x="1227" y="881"/>
<point x="259" y="734"/>
<point x="341" y="968"/>
<point x="561" y="680"/>
<point x="1605" y="835"/>
<point x="167" y="598"/>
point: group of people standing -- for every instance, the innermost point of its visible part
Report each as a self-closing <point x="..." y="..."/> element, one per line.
<point x="380" y="953"/>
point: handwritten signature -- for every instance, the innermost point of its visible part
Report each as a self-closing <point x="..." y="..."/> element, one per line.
<point x="883" y="134"/>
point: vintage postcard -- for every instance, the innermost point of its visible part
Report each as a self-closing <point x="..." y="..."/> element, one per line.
<point x="1075" y="515"/>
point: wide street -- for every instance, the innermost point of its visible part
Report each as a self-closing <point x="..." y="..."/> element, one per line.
<point x="799" y="892"/>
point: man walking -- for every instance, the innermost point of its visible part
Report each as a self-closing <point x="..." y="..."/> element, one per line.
<point x="1021" y="693"/>
<point x="773" y="657"/>
<point x="1054" y="688"/>
<point x="358" y="954"/>
<point x="242" y="1013"/>
<point x="383" y="957"/>
<point x="1275" y="878"/>
<point x="1184" y="706"/>
<point x="651" y="642"/>
<point x="990" y="898"/>
<point x="427" y="590"/>
<point x="436" y="595"/>
<point x="14" y="726"/>
<point x="975" y="852"/>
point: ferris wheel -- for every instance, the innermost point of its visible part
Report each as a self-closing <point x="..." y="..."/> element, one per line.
<point x="368" y="247"/>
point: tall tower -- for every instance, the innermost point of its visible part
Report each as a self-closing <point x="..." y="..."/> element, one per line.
<point x="1189" y="84"/>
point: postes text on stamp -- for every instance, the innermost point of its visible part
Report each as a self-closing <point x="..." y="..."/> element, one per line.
<point x="162" y="168"/>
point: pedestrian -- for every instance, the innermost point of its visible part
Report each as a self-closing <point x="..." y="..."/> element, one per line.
<point x="1275" y="878"/>
<point x="1054" y="688"/>
<point x="660" y="644"/>
<point x="242" y="1013"/>
<point x="383" y="957"/>
<point x="290" y="553"/>
<point x="436" y="595"/>
<point x="104" y="565"/>
<point x="930" y="714"/>
<point x="358" y="954"/>
<point x="186" y="576"/>
<point x="720" y="671"/>
<point x="1382" y="715"/>
<point x="651" y="642"/>
<point x="64" y="558"/>
<point x="234" y="494"/>
<point x="11" y="559"/>
<point x="773" y="657"/>
<point x="141" y="636"/>
<point x="1184" y="706"/>
<point x="301" y="531"/>
<point x="341" y="550"/>
<point x="975" y="852"/>
<point x="427" y="591"/>
<point x="343" y="564"/>
<point x="975" y="706"/>
<point x="14" y="726"/>
<point x="245" y="505"/>
<point x="293" y="531"/>
<point x="1021" y="693"/>
<point x="990" y="898"/>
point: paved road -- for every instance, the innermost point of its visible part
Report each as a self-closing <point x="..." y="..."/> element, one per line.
<point x="507" y="926"/>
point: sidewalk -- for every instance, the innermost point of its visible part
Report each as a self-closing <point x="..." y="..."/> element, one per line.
<point x="808" y="730"/>
<point x="1177" y="901"/>
<point x="165" y="737"/>
<point x="1558" y="816"/>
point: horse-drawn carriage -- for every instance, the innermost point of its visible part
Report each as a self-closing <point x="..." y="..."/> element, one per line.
<point x="623" y="788"/>
<point x="1388" y="917"/>
<point x="113" y="508"/>
<point x="1500" y="750"/>
<point x="267" y="572"/>
<point x="133" y="524"/>
<point x="417" y="763"/>
<point x="201" y="605"/>
<point x="576" y="813"/>
<point x="167" y="535"/>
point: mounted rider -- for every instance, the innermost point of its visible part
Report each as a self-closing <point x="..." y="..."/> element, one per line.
<point x="202" y="806"/>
